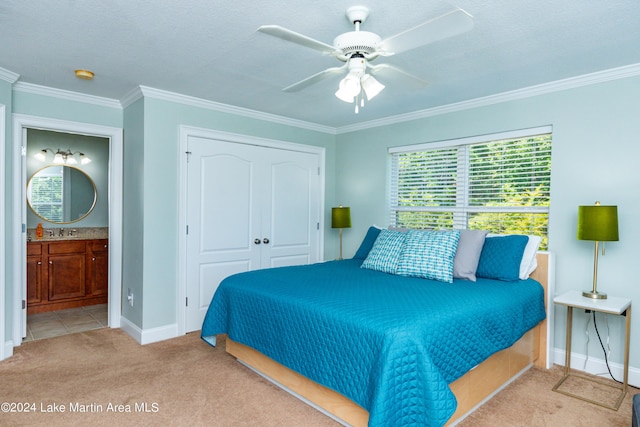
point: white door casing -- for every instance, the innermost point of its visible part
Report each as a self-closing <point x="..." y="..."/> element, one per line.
<point x="20" y="124"/>
<point x="5" y="349"/>
<point x="247" y="207"/>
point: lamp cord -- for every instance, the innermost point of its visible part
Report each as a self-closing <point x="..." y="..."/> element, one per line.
<point x="606" y="359"/>
<point x="586" y="347"/>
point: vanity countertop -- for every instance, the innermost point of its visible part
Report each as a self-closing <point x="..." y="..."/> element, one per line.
<point x="69" y="233"/>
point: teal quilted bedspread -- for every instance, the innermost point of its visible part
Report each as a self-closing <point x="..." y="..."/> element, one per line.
<point x="391" y="344"/>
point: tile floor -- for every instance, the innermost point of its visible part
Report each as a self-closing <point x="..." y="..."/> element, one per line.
<point x="56" y="323"/>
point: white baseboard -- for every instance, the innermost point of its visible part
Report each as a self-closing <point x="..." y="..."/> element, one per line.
<point x="148" y="336"/>
<point x="8" y="349"/>
<point x="597" y="366"/>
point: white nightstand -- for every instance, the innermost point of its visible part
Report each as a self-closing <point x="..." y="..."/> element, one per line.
<point x="611" y="305"/>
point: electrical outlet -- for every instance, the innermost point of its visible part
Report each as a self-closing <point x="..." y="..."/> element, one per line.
<point x="130" y="297"/>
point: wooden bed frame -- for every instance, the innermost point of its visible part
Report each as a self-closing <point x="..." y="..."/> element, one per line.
<point x="470" y="390"/>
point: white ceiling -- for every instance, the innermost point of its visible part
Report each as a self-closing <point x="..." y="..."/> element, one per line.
<point x="211" y="50"/>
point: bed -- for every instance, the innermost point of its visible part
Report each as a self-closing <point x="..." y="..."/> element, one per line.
<point x="380" y="349"/>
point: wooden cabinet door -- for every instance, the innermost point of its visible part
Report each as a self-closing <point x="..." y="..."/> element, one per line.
<point x="66" y="274"/>
<point x="66" y="268"/>
<point x="98" y="268"/>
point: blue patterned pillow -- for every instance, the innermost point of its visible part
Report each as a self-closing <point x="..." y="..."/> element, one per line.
<point x="385" y="253"/>
<point x="501" y="257"/>
<point x="429" y="254"/>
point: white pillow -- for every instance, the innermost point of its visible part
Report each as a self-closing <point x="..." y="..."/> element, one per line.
<point x="529" y="262"/>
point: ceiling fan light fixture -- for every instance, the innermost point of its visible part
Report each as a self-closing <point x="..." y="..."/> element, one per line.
<point x="371" y="86"/>
<point x="349" y="88"/>
<point x="358" y="48"/>
<point x="343" y="96"/>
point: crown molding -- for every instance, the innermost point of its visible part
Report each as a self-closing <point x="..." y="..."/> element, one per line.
<point x="223" y="108"/>
<point x="131" y="97"/>
<point x="8" y="76"/>
<point x="145" y="91"/>
<point x="531" y="91"/>
<point x="66" y="95"/>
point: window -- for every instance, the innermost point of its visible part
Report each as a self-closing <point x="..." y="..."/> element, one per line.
<point x="45" y="193"/>
<point x="499" y="183"/>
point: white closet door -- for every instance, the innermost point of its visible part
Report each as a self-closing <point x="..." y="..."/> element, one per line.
<point x="221" y="217"/>
<point x="248" y="207"/>
<point x="290" y="217"/>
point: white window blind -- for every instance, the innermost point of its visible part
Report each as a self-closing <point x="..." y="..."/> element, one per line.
<point x="500" y="185"/>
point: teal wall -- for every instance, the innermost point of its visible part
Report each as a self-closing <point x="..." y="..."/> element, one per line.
<point x="64" y="109"/>
<point x="159" y="193"/>
<point x="24" y="103"/>
<point x="97" y="149"/>
<point x="595" y="129"/>
<point x="151" y="152"/>
<point x="133" y="221"/>
<point x="594" y="157"/>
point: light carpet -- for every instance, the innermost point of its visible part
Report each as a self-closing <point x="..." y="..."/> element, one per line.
<point x="105" y="378"/>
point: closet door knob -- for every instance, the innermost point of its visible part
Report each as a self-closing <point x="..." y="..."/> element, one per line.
<point x="256" y="241"/>
<point x="265" y="240"/>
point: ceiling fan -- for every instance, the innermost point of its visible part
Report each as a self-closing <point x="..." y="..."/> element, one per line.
<point x="358" y="48"/>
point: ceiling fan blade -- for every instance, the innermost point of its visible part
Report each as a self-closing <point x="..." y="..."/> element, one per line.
<point x="447" y="25"/>
<point x="315" y="78"/>
<point x="382" y="69"/>
<point x="292" y="36"/>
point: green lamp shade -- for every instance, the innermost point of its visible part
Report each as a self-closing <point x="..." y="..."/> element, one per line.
<point x="341" y="217"/>
<point x="598" y="223"/>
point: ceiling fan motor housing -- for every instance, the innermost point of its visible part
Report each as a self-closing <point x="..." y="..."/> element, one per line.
<point x="357" y="65"/>
<point x="363" y="42"/>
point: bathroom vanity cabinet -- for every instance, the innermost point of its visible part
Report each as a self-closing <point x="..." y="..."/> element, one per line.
<point x="64" y="274"/>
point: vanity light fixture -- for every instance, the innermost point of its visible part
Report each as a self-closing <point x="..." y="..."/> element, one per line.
<point x="61" y="157"/>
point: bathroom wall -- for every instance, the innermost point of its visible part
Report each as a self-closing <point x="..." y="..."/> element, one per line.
<point x="97" y="149"/>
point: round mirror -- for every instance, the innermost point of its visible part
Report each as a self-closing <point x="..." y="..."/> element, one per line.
<point x="61" y="194"/>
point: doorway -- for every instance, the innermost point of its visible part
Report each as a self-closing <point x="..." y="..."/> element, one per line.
<point x="114" y="197"/>
<point x="67" y="261"/>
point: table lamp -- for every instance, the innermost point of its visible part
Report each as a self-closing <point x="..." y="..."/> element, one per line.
<point x="600" y="224"/>
<point x="340" y="218"/>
